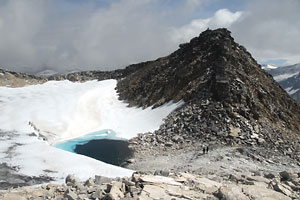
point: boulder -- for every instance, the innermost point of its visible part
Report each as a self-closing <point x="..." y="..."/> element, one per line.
<point x="258" y="192"/>
<point x="234" y="132"/>
<point x="207" y="185"/>
<point x="70" y="195"/>
<point x="177" y="139"/>
<point x="72" y="179"/>
<point x="98" y="194"/>
<point x="89" y="182"/>
<point x="128" y="183"/>
<point x="117" y="190"/>
<point x="162" y="173"/>
<point x="131" y="160"/>
<point x="231" y="192"/>
<point x="288" y="176"/>
<point x="102" y="179"/>
<point x="282" y="188"/>
<point x="269" y="176"/>
<point x="156" y="180"/>
<point x="155" y="192"/>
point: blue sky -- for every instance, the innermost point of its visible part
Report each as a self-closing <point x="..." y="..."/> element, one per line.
<point x="66" y="35"/>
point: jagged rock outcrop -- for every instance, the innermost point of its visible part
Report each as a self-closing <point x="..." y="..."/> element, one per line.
<point x="19" y="79"/>
<point x="88" y="75"/>
<point x="228" y="97"/>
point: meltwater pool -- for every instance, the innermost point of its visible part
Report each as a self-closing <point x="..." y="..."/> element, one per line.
<point x="102" y="145"/>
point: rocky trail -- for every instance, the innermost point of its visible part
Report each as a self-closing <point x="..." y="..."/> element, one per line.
<point x="219" y="160"/>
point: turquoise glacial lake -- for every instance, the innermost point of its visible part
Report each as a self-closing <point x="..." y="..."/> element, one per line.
<point x="102" y="145"/>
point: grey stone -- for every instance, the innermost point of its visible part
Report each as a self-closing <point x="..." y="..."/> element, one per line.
<point x="70" y="195"/>
<point x="98" y="194"/>
<point x="259" y="192"/>
<point x="231" y="192"/>
<point x="131" y="160"/>
<point x="283" y="189"/>
<point x="102" y="179"/>
<point x="117" y="190"/>
<point x="128" y="183"/>
<point x="235" y="178"/>
<point x="90" y="182"/>
<point x="287" y="176"/>
<point x="269" y="176"/>
<point x="134" y="191"/>
<point x="162" y="173"/>
<point x="168" y="144"/>
<point x="177" y="139"/>
<point x="72" y="179"/>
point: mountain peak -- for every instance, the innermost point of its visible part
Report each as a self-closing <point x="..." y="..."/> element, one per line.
<point x="206" y="60"/>
<point x="223" y="87"/>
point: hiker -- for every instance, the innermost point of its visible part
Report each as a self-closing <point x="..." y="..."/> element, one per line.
<point x="207" y="149"/>
<point x="203" y="149"/>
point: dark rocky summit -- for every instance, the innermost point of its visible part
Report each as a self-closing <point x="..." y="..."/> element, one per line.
<point x="228" y="98"/>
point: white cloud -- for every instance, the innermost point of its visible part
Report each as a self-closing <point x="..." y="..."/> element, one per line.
<point x="60" y="35"/>
<point x="270" y="30"/>
<point x="35" y="35"/>
<point x="20" y="21"/>
<point x="222" y="19"/>
<point x="124" y="34"/>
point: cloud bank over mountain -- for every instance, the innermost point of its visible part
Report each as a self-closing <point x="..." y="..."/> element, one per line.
<point x="69" y="35"/>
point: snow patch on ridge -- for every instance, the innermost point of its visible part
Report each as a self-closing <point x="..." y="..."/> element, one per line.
<point x="291" y="91"/>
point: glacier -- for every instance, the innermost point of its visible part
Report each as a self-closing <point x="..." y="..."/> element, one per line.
<point x="34" y="118"/>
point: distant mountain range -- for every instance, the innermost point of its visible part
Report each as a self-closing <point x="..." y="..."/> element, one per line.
<point x="288" y="77"/>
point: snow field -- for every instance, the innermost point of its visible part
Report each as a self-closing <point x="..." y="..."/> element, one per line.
<point x="62" y="110"/>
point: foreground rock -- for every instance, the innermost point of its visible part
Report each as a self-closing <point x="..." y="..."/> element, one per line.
<point x="176" y="186"/>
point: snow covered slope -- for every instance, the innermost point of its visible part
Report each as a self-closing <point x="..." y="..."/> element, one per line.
<point x="289" y="79"/>
<point x="60" y="110"/>
<point x="285" y="72"/>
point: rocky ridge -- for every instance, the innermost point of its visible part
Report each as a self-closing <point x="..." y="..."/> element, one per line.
<point x="229" y="98"/>
<point x="17" y="79"/>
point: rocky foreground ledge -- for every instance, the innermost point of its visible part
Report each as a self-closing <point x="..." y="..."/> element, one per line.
<point x="283" y="186"/>
<point x="223" y="173"/>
